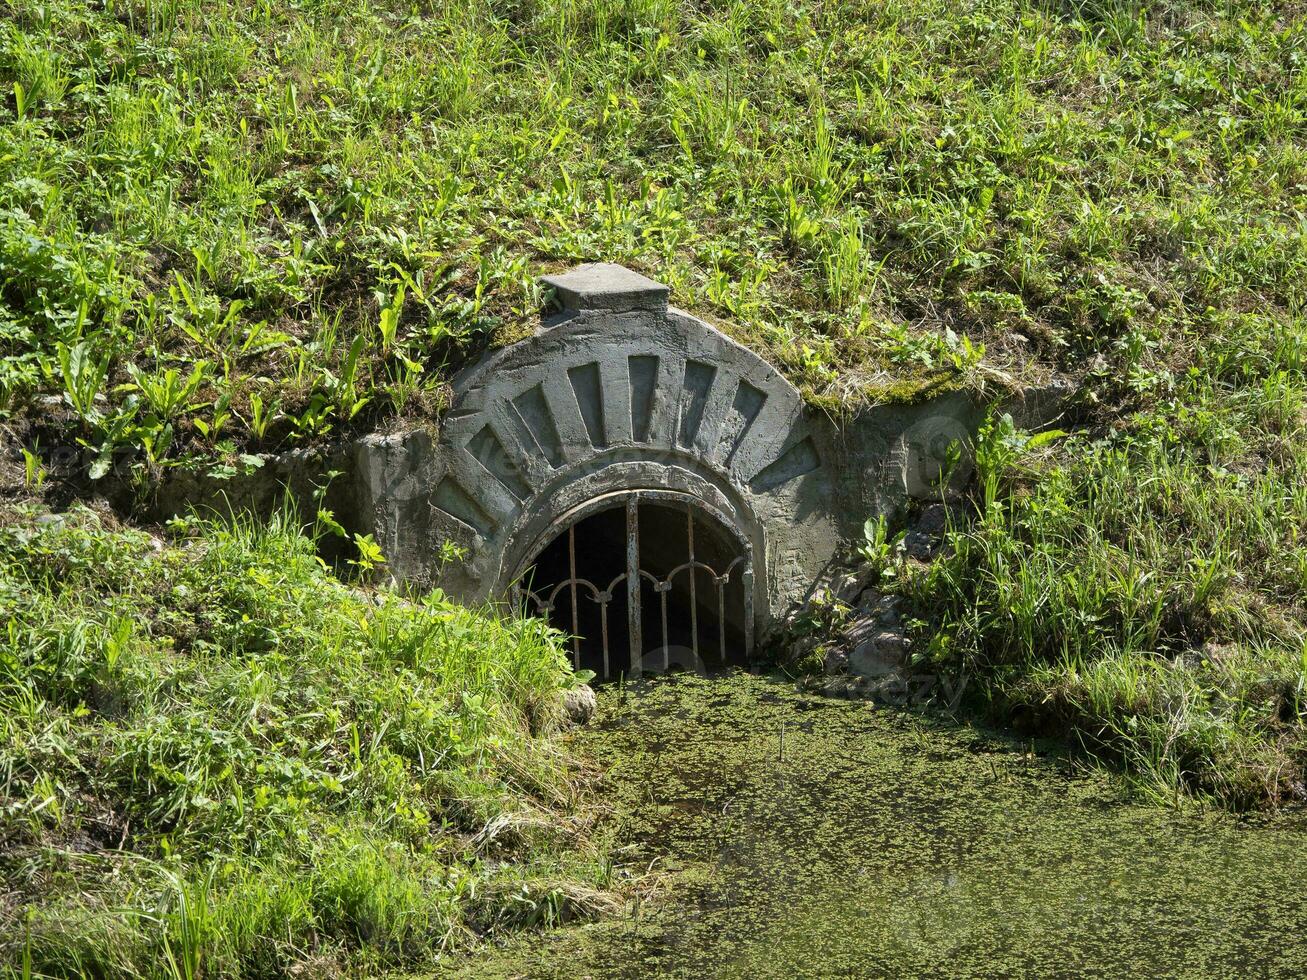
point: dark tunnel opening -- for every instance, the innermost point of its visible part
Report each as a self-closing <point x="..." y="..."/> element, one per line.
<point x="691" y="604"/>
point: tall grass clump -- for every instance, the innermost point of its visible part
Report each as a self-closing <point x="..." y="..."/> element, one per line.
<point x="217" y="759"/>
<point x="1125" y="591"/>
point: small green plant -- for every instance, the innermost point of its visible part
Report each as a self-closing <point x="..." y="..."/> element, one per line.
<point x="261" y="415"/>
<point x="389" y="324"/>
<point x="316" y="420"/>
<point x="220" y="416"/>
<point x="84" y="377"/>
<point x="878" y="547"/>
<point x="168" y="393"/>
<point x="845" y="266"/>
<point x="369" y="553"/>
<point x="349" y="400"/>
<point x="34" y="471"/>
<point x="450" y="552"/>
<point x="799" y="228"/>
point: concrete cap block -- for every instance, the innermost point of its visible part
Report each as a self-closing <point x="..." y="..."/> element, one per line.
<point x="607" y="286"/>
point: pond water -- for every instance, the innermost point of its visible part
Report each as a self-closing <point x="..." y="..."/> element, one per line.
<point x="878" y="842"/>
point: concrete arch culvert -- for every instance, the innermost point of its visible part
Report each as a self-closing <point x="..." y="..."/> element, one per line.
<point x="620" y="394"/>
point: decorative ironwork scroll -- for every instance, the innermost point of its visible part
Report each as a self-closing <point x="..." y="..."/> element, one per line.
<point x="683" y="575"/>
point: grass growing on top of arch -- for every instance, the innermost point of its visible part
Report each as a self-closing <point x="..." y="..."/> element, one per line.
<point x="218" y="759"/>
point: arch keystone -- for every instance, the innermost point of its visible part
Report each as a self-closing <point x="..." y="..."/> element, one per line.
<point x="608" y="286"/>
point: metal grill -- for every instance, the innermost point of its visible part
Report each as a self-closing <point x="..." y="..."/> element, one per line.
<point x="575" y="589"/>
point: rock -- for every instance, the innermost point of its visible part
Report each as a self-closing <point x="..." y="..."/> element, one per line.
<point x="1040" y="406"/>
<point x="879" y="654"/>
<point x="920" y="545"/>
<point x="933" y="519"/>
<point x="836" y="662"/>
<point x="863" y="627"/>
<point x="1218" y="654"/>
<point x="806" y="651"/>
<point x="846" y="587"/>
<point x="879" y="608"/>
<point x="579" y="704"/>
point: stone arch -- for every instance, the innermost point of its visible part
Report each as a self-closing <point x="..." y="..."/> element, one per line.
<point x="616" y="392"/>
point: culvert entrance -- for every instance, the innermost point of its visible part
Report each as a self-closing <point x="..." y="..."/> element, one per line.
<point x="643" y="582"/>
<point x="617" y="393"/>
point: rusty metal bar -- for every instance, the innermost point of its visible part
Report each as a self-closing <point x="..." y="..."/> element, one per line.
<point x="747" y="578"/>
<point x="633" y="625"/>
<point x="603" y="620"/>
<point x="721" y="613"/>
<point x="663" y="589"/>
<point x="576" y="626"/>
<point x="694" y="604"/>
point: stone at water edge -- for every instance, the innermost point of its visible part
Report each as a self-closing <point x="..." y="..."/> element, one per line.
<point x="836" y="662"/>
<point x="876" y="607"/>
<point x="579" y="704"/>
<point x="882" y="653"/>
<point x="933" y="519"/>
<point x="920" y="545"/>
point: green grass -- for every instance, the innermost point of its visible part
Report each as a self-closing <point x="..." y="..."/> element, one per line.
<point x="229" y="228"/>
<point x="255" y="225"/>
<point x="241" y="227"/>
<point x="217" y="759"/>
<point x="1143" y="595"/>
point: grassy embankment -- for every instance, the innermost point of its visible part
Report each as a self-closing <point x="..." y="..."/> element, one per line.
<point x="242" y="227"/>
<point x="216" y="759"/>
<point x="1144" y="599"/>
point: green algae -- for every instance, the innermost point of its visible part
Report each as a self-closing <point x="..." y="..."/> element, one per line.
<point x="809" y="836"/>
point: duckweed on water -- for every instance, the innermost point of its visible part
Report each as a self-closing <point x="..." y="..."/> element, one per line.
<point x="890" y="844"/>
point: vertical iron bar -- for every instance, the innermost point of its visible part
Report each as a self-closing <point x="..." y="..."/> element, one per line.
<point x="603" y="620"/>
<point x="662" y="595"/>
<point x="748" y="609"/>
<point x="694" y="605"/>
<point x="633" y="625"/>
<point x="571" y="562"/>
<point x="721" y="614"/>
